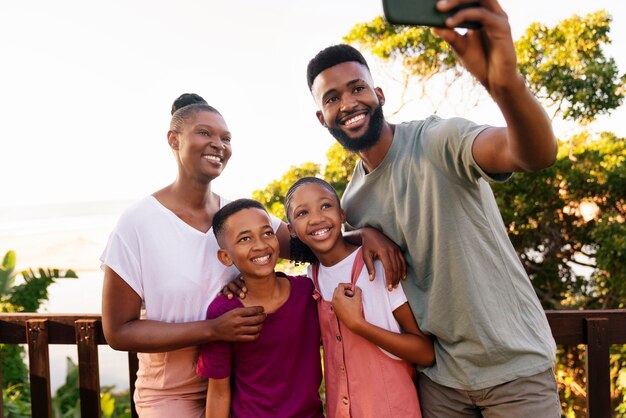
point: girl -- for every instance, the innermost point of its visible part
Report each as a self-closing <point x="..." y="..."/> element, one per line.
<point x="369" y="334"/>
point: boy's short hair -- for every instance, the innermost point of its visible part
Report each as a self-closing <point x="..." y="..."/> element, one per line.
<point x="331" y="56"/>
<point x="222" y="215"/>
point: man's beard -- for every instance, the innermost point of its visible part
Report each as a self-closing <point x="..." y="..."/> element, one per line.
<point x="365" y="141"/>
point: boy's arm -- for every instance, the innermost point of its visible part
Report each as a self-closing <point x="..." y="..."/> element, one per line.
<point x="528" y="142"/>
<point x="412" y="345"/>
<point x="218" y="398"/>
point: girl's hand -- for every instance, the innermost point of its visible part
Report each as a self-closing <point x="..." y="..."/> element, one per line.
<point x="377" y="245"/>
<point x="236" y="287"/>
<point x="347" y="305"/>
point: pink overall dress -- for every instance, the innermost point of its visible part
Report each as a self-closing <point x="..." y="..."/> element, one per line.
<point x="361" y="380"/>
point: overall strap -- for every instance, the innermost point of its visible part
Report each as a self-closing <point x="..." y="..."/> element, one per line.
<point x="315" y="268"/>
<point x="357" y="266"/>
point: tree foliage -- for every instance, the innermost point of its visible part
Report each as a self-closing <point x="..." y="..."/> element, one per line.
<point x="567" y="66"/>
<point x="567" y="224"/>
<point x="273" y="196"/>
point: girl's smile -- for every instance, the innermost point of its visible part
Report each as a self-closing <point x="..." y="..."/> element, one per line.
<point x="315" y="217"/>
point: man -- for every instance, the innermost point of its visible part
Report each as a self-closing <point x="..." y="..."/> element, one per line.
<point x="425" y="185"/>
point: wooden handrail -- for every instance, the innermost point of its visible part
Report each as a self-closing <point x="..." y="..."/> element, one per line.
<point x="596" y="329"/>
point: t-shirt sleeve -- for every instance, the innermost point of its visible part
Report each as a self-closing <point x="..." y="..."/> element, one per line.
<point x="214" y="361"/>
<point x="396" y="297"/>
<point x="449" y="145"/>
<point x="121" y="254"/>
<point x="276" y="222"/>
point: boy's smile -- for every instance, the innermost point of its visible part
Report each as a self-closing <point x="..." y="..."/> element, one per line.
<point x="250" y="243"/>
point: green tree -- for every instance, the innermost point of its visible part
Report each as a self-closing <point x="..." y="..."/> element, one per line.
<point x="566" y="66"/>
<point x="339" y="167"/>
<point x="273" y="196"/>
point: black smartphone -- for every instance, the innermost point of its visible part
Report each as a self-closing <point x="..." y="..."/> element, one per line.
<point x="422" y="13"/>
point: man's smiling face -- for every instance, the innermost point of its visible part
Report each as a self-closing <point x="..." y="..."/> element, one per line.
<point x="350" y="107"/>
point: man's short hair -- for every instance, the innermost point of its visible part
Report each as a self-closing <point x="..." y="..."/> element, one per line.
<point x="222" y="215"/>
<point x="331" y="56"/>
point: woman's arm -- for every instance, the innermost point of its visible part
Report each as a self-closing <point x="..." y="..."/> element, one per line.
<point x="218" y="398"/>
<point x="124" y="330"/>
<point x="412" y="345"/>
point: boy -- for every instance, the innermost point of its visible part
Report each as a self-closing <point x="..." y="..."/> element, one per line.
<point x="279" y="374"/>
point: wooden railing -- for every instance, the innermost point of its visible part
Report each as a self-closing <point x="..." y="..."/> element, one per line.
<point x="596" y="329"/>
<point x="41" y="330"/>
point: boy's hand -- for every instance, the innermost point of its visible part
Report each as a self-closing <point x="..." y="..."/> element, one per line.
<point x="488" y="53"/>
<point x="377" y="245"/>
<point x="240" y="324"/>
<point x="348" y="306"/>
<point x="236" y="287"/>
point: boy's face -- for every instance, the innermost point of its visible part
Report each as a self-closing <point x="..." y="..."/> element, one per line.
<point x="248" y="242"/>
<point x="350" y="107"/>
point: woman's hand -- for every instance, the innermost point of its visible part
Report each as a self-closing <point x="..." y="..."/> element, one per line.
<point x="376" y="245"/>
<point x="240" y="324"/>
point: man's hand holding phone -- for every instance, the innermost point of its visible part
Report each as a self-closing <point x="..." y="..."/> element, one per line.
<point x="426" y="13"/>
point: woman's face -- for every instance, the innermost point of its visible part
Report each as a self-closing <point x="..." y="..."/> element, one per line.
<point x="203" y="145"/>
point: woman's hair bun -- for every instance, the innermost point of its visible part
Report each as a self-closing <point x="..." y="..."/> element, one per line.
<point x="187" y="99"/>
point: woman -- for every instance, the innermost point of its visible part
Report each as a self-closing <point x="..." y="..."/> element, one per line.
<point x="161" y="270"/>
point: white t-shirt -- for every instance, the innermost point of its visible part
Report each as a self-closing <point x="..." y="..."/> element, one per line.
<point x="378" y="302"/>
<point x="172" y="266"/>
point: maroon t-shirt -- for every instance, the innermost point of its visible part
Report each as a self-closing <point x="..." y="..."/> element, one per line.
<point x="279" y="374"/>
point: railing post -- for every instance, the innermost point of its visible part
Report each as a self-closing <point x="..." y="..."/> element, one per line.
<point x="133" y="366"/>
<point x="88" y="371"/>
<point x="39" y="365"/>
<point x="598" y="368"/>
<point x="1" y="397"/>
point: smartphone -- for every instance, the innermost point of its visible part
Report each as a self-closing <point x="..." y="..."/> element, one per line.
<point x="422" y="13"/>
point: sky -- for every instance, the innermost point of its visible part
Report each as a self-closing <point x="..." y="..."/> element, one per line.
<point x="86" y="87"/>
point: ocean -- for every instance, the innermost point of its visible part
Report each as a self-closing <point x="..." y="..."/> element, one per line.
<point x="67" y="236"/>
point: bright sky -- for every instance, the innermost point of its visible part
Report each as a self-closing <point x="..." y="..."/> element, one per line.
<point x="86" y="87"/>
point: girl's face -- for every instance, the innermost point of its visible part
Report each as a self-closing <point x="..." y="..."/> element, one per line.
<point x="203" y="145"/>
<point x="315" y="217"/>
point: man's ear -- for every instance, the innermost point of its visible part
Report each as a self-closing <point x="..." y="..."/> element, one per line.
<point x="320" y="117"/>
<point x="380" y="95"/>
<point x="172" y="140"/>
<point x="224" y="258"/>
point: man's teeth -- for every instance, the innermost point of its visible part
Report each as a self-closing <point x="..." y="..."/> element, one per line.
<point x="320" y="232"/>
<point x="213" y="158"/>
<point x="355" y="119"/>
<point x="261" y="260"/>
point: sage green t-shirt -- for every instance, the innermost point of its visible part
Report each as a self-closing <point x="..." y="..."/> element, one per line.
<point x="465" y="284"/>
